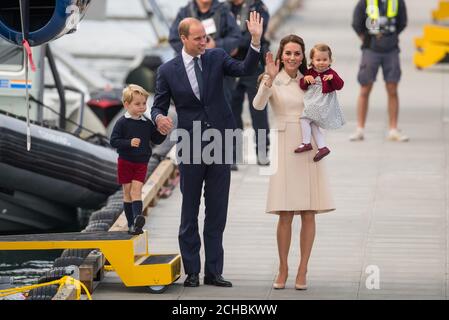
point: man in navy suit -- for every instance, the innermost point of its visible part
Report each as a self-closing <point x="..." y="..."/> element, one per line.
<point x="194" y="80"/>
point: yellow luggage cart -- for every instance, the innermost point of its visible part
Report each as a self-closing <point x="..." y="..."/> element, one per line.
<point x="127" y="254"/>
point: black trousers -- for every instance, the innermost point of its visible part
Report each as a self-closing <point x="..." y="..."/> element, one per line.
<point x="216" y="179"/>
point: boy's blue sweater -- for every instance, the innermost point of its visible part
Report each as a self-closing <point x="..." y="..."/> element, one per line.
<point x="126" y="129"/>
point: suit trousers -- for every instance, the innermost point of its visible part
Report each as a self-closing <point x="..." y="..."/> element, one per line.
<point x="216" y="179"/>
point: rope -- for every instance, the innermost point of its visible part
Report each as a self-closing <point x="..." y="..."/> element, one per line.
<point x="28" y="57"/>
<point x="66" y="280"/>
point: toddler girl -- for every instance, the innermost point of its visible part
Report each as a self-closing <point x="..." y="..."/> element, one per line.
<point x="321" y="107"/>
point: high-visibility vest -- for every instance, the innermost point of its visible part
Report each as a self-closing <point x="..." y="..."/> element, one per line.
<point x="372" y="9"/>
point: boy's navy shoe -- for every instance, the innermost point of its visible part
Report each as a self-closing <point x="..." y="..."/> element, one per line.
<point x="139" y="222"/>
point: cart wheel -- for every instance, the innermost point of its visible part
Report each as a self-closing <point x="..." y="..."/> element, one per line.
<point x="157" y="289"/>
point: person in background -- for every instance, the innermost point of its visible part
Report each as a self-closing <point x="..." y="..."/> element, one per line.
<point x="378" y="23"/>
<point x="248" y="85"/>
<point x="221" y="30"/>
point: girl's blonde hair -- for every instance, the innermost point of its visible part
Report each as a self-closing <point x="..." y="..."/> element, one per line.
<point x="127" y="94"/>
<point x="322" y="47"/>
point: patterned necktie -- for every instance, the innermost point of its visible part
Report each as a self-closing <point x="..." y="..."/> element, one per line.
<point x="199" y="75"/>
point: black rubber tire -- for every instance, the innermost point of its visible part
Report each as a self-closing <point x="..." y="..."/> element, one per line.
<point x="82" y="253"/>
<point x="111" y="210"/>
<point x="40" y="297"/>
<point x="114" y="205"/>
<point x="108" y="222"/>
<point x="47" y="291"/>
<point x="55" y="274"/>
<point x="157" y="289"/>
<point x="102" y="215"/>
<point x="95" y="229"/>
<point x="116" y="196"/>
<point x="68" y="261"/>
<point x="98" y="227"/>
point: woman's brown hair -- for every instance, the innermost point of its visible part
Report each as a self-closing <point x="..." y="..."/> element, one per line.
<point x="295" y="39"/>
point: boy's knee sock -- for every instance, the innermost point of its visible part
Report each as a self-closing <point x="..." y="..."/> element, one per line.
<point x="137" y="208"/>
<point x="129" y="213"/>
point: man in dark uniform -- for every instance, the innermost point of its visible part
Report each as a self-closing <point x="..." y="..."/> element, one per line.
<point x="221" y="29"/>
<point x="378" y="23"/>
<point x="259" y="118"/>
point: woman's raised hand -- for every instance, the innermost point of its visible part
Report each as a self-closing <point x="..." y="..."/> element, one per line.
<point x="271" y="67"/>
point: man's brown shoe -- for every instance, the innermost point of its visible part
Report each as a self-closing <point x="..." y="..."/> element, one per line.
<point x="304" y="147"/>
<point x="321" y="154"/>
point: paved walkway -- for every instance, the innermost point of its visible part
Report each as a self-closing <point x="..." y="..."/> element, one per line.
<point x="391" y="197"/>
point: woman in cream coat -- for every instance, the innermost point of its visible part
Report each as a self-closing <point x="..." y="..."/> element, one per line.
<point x="300" y="185"/>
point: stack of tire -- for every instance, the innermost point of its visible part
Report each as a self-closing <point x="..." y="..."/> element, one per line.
<point x="103" y="219"/>
<point x="48" y="292"/>
<point x="100" y="220"/>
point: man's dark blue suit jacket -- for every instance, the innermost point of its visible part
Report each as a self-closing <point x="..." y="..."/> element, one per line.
<point x="172" y="83"/>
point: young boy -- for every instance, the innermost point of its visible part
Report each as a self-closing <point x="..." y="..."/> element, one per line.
<point x="131" y="136"/>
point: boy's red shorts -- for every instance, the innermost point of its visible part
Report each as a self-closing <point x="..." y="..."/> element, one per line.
<point x="128" y="171"/>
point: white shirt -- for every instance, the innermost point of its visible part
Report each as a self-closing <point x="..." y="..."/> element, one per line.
<point x="189" y="64"/>
<point x="127" y="116"/>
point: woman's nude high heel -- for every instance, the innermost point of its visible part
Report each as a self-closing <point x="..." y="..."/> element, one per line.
<point x="279" y="285"/>
<point x="300" y="286"/>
